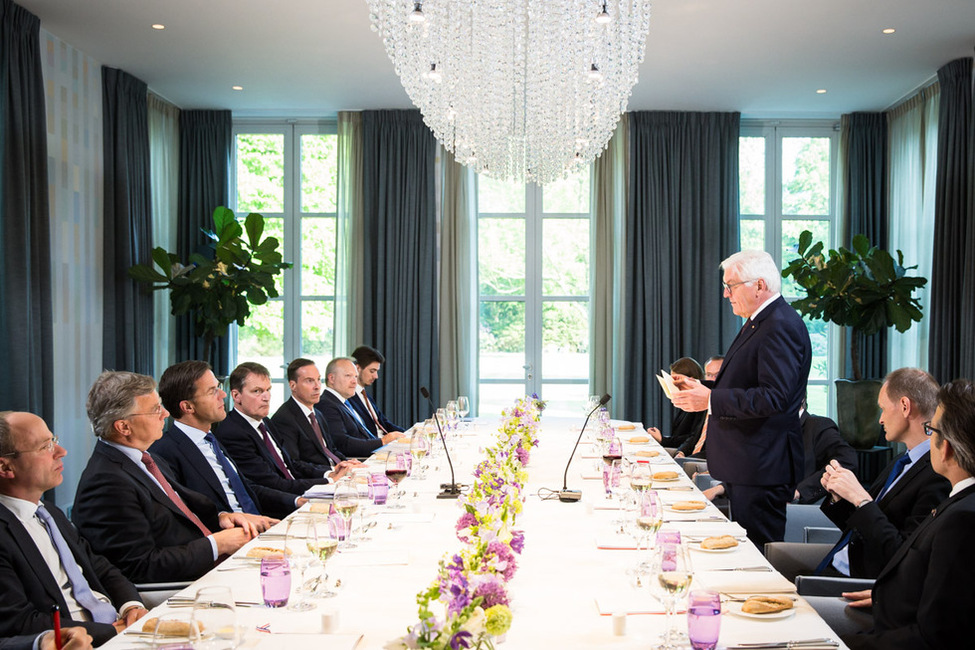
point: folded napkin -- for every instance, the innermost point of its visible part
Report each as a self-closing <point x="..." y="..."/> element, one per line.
<point x="708" y="528"/>
<point x="743" y="582"/>
<point x="320" y="491"/>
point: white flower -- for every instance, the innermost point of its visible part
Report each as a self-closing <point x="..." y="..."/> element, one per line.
<point x="476" y="623"/>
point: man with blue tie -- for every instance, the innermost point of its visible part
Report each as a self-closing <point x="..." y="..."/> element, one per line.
<point x="368" y="360"/>
<point x="923" y="598"/>
<point x="348" y="431"/>
<point x="43" y="560"/>
<point x="876" y="522"/>
<point x="193" y="396"/>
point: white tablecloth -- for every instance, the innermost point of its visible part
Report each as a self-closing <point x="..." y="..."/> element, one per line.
<point x="562" y="573"/>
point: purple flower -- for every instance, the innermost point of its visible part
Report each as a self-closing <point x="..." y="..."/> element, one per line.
<point x="517" y="541"/>
<point x="505" y="559"/>
<point x="522" y="454"/>
<point x="493" y="592"/>
<point x="461" y="640"/>
<point x="466" y="521"/>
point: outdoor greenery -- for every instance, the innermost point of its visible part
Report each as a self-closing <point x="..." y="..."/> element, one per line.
<point x="863" y="288"/>
<point x="218" y="290"/>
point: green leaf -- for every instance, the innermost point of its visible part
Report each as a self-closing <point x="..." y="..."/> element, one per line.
<point x="805" y="238"/>
<point x="162" y="259"/>
<point x="222" y="217"/>
<point x="143" y="273"/>
<point x="255" y="228"/>
<point x="861" y="245"/>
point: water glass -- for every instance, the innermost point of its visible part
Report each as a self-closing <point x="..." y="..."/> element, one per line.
<point x="611" y="477"/>
<point x="378" y="488"/>
<point x="275" y="581"/>
<point x="703" y="619"/>
<point x="215" y="616"/>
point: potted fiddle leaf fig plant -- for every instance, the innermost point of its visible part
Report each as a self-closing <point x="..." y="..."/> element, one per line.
<point x="219" y="289"/>
<point x="867" y="290"/>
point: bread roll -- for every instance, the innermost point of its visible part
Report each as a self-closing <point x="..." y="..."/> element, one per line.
<point x="689" y="505"/>
<point x="169" y="628"/>
<point x="721" y="541"/>
<point x="767" y="604"/>
<point x="626" y="426"/>
<point x="639" y="439"/>
<point x="667" y="475"/>
<point x="647" y="453"/>
<point x="262" y="552"/>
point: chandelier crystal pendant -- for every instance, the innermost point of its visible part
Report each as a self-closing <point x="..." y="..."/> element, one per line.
<point x="525" y="90"/>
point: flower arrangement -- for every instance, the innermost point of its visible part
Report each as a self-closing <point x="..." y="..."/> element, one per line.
<point x="472" y="585"/>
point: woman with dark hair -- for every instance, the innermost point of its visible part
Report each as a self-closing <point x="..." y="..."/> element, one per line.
<point x="685" y="426"/>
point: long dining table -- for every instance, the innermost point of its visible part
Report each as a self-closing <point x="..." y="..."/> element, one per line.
<point x="572" y="588"/>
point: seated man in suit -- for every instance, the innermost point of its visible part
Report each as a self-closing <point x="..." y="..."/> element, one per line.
<point x="877" y="522"/>
<point x="712" y="366"/>
<point x="923" y="597"/>
<point x="72" y="638"/>
<point x="251" y="440"/>
<point x="129" y="506"/>
<point x="195" y="399"/>
<point x="821" y="442"/>
<point x="368" y="360"/>
<point x="43" y="560"/>
<point x="347" y="428"/>
<point x="300" y="427"/>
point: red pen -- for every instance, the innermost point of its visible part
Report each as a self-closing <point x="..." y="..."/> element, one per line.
<point x="56" y="613"/>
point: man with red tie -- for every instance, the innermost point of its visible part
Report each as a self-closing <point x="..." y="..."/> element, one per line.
<point x="300" y="428"/>
<point x="368" y="360"/>
<point x="129" y="506"/>
<point x="43" y="560"/>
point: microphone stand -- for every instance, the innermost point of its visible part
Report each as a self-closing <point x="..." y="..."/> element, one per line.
<point x="451" y="490"/>
<point x="566" y="495"/>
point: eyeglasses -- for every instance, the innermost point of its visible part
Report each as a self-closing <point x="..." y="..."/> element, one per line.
<point x="729" y="287"/>
<point x="155" y="412"/>
<point x="48" y="447"/>
<point x="928" y="429"/>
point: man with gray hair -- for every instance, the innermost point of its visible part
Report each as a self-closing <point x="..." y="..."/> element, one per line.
<point x="753" y="434"/>
<point x="351" y="435"/>
<point x="129" y="506"/>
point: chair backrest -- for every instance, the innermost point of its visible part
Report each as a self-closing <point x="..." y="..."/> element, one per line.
<point x="821" y="535"/>
<point x="799" y="516"/>
<point x="828" y="586"/>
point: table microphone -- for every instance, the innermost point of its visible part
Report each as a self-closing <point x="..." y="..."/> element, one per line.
<point x="566" y="494"/>
<point x="451" y="490"/>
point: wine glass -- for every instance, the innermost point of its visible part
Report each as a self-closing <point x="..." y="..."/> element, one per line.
<point x="452" y="416"/>
<point x="322" y="546"/>
<point x="441" y="415"/>
<point x="214" y="618"/>
<point x="165" y="635"/>
<point x="346" y="502"/>
<point x="301" y="560"/>
<point x="649" y="515"/>
<point x="671" y="568"/>
<point x="397" y="469"/>
<point x="419" y="447"/>
<point x="463" y="406"/>
<point x="641" y="478"/>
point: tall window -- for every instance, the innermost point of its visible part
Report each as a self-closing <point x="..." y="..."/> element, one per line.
<point x="787" y="185"/>
<point x="533" y="279"/>
<point x="288" y="173"/>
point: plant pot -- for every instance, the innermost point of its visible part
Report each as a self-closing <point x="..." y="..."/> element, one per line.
<point x="858" y="415"/>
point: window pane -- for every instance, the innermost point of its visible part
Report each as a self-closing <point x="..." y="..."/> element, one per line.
<point x="819" y="339"/>
<point x="567" y="195"/>
<point x="277" y="395"/>
<point x="319" y="165"/>
<point x="502" y="340"/>
<point x="565" y="400"/>
<point x="262" y="338"/>
<point x="565" y="257"/>
<point x="817" y="399"/>
<point x="805" y="176"/>
<point x="274" y="227"/>
<point x="752" y="234"/>
<point x="791" y="229"/>
<point x="499" y="196"/>
<point x="565" y="340"/>
<point x="751" y="172"/>
<point x="501" y="262"/>
<point x="260" y="172"/>
<point x="317" y="256"/>
<point x="317" y="328"/>
<point x="493" y="398"/>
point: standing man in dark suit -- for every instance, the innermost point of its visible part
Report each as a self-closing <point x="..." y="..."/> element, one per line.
<point x="821" y="443"/>
<point x="877" y="522"/>
<point x="195" y="399"/>
<point x="347" y="428"/>
<point x="368" y="360"/>
<point x="43" y="560"/>
<point x="250" y="438"/>
<point x="753" y="437"/>
<point x="301" y="429"/>
<point x="129" y="506"/>
<point x="923" y="597"/>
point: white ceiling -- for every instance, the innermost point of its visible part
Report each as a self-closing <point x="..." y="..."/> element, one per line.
<point x="765" y="58"/>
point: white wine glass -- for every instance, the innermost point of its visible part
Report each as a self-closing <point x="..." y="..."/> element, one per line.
<point x="463" y="406"/>
<point x="301" y="559"/>
<point x="672" y="577"/>
<point x="346" y="502"/>
<point x="419" y="448"/>
<point x="452" y="415"/>
<point x="314" y="530"/>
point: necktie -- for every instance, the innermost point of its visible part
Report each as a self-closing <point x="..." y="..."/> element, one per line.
<point x="321" y="439"/>
<point x="372" y="411"/>
<point x="895" y="471"/>
<point x="362" y="425"/>
<point x="171" y="493"/>
<point x="101" y="612"/>
<point x="236" y="484"/>
<point x="700" y="441"/>
<point x="275" y="456"/>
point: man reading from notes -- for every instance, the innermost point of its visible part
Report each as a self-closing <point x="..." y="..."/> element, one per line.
<point x="130" y="507"/>
<point x="43" y="560"/>
<point x="923" y="598"/>
<point x="753" y="436"/>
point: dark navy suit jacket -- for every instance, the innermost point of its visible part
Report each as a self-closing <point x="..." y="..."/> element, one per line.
<point x="349" y="436"/>
<point x="297" y="437"/>
<point x="753" y="431"/>
<point x="363" y="412"/>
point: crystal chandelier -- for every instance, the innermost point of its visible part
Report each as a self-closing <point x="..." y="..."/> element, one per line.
<point x="523" y="90"/>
